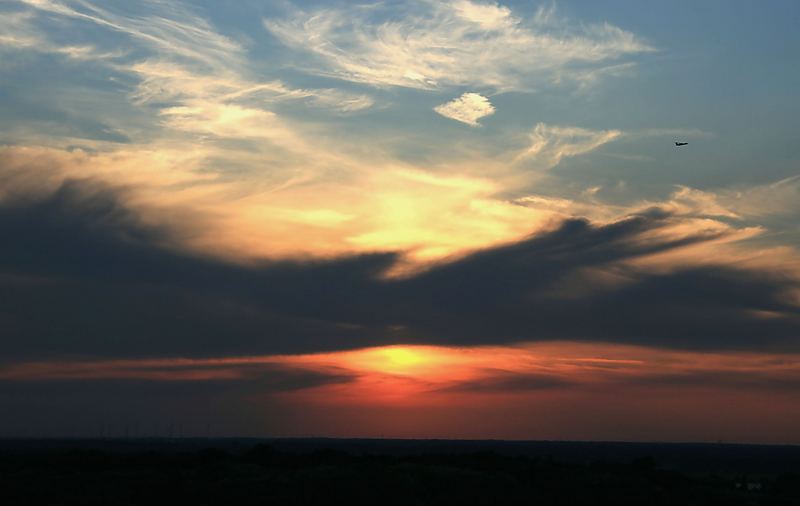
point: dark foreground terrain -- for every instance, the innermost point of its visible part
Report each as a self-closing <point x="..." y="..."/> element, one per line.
<point x="380" y="472"/>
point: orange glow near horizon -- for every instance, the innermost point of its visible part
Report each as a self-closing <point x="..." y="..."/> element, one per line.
<point x="417" y="374"/>
<point x="534" y="390"/>
<point x="427" y="361"/>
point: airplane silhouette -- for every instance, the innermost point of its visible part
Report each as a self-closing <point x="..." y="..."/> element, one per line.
<point x="681" y="143"/>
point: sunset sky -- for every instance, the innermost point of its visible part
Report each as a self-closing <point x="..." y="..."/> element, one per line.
<point x="431" y="219"/>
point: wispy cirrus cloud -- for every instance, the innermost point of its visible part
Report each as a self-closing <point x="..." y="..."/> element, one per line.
<point x="18" y="31"/>
<point x="688" y="200"/>
<point x="176" y="54"/>
<point x="168" y="27"/>
<point x="770" y="199"/>
<point x="428" y="45"/>
<point x="551" y="144"/>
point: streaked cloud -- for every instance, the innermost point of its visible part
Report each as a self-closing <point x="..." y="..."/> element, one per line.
<point x="468" y="108"/>
<point x="588" y="80"/>
<point x="692" y="201"/>
<point x="393" y="371"/>
<point x="551" y="144"/>
<point x="771" y="199"/>
<point x="429" y="45"/>
<point x="172" y="29"/>
<point x="175" y="54"/>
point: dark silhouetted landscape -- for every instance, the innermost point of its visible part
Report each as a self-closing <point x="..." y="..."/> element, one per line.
<point x="393" y="472"/>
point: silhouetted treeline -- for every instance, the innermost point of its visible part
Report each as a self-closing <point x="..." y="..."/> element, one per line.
<point x="263" y="475"/>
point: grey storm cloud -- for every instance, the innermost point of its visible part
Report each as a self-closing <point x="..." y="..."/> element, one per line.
<point x="81" y="276"/>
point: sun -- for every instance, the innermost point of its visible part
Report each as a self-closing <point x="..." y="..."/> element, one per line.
<point x="404" y="357"/>
<point x="396" y="360"/>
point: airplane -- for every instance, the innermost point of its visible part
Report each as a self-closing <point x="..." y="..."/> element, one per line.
<point x="681" y="143"/>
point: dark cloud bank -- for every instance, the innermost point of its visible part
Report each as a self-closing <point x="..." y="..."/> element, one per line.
<point x="80" y="276"/>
